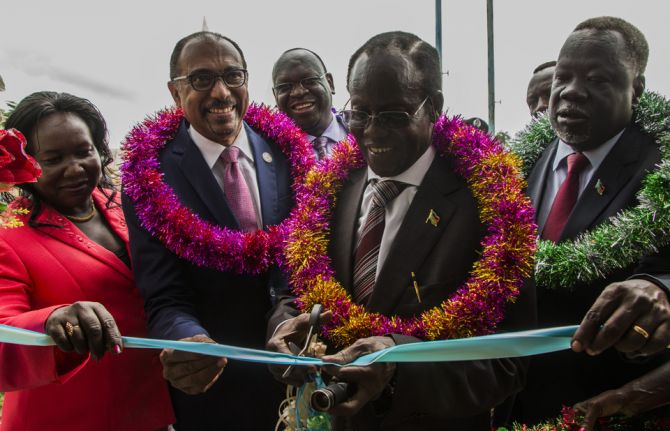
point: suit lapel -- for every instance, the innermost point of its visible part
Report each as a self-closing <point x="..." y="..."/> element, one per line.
<point x="266" y="175"/>
<point x="67" y="232"/>
<point x="195" y="170"/>
<point x="538" y="177"/>
<point x="416" y="237"/>
<point x="343" y="233"/>
<point x="614" y="172"/>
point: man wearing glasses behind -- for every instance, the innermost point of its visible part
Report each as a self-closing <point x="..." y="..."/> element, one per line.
<point x="303" y="90"/>
<point x="380" y="243"/>
<point x="229" y="175"/>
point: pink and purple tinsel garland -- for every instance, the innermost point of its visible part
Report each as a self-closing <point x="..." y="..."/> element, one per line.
<point x="477" y="307"/>
<point x="183" y="232"/>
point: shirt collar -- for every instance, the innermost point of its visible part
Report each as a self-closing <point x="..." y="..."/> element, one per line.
<point x="415" y="173"/>
<point x="595" y="156"/>
<point x="334" y="132"/>
<point x="211" y="151"/>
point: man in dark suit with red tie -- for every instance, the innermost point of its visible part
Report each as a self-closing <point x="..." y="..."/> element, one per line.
<point x="380" y="238"/>
<point x="588" y="174"/>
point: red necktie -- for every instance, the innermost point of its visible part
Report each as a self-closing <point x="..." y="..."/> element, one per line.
<point x="565" y="199"/>
<point x="237" y="191"/>
<point x="367" y="252"/>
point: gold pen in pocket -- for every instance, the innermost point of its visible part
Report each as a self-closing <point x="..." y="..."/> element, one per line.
<point x="416" y="287"/>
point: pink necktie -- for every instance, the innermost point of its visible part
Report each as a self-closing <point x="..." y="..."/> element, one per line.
<point x="237" y="191"/>
<point x="367" y="252"/>
<point x="565" y="199"/>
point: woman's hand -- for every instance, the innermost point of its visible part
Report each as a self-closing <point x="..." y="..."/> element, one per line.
<point x="84" y="327"/>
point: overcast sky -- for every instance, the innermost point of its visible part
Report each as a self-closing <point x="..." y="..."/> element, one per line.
<point x="116" y="53"/>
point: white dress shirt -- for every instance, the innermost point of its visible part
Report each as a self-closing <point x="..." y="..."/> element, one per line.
<point x="397" y="208"/>
<point x="560" y="172"/>
<point x="211" y="152"/>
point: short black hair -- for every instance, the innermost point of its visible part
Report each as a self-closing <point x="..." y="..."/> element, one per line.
<point x="637" y="48"/>
<point x="34" y="108"/>
<point x="274" y="68"/>
<point x="545" y="65"/>
<point x="179" y="47"/>
<point x="423" y="54"/>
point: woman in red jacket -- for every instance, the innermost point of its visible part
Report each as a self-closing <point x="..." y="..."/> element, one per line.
<point x="67" y="272"/>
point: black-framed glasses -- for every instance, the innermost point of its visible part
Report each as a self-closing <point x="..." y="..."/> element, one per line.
<point x="392" y="119"/>
<point x="309" y="83"/>
<point x="204" y="81"/>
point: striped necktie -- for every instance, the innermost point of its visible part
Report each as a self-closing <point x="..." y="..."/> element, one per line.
<point x="367" y="251"/>
<point x="321" y="147"/>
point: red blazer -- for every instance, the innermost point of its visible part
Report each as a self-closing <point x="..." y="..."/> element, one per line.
<point x="45" y="268"/>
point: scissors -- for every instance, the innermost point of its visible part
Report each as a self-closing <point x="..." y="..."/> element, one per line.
<point x="313" y="330"/>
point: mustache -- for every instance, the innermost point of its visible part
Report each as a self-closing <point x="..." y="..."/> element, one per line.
<point x="571" y="111"/>
<point x="222" y="103"/>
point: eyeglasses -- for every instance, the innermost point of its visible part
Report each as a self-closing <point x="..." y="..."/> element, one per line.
<point x="392" y="119"/>
<point x="309" y="83"/>
<point x="204" y="81"/>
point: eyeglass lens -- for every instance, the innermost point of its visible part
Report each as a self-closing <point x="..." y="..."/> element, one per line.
<point x="392" y="119"/>
<point x="205" y="80"/>
<point x="307" y="83"/>
<point x="359" y="119"/>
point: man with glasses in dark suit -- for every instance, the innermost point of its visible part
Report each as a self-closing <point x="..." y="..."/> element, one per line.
<point x="380" y="242"/>
<point x="229" y="175"/>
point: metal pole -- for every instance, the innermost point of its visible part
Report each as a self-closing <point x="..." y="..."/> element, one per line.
<point x="438" y="27"/>
<point x="492" y="90"/>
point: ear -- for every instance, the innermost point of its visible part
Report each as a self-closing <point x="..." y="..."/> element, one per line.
<point x="437" y="100"/>
<point x="638" y="88"/>
<point x="331" y="83"/>
<point x="175" y="93"/>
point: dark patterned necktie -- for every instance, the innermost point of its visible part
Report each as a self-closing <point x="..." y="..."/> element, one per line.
<point x="565" y="199"/>
<point x="321" y="147"/>
<point x="367" y="252"/>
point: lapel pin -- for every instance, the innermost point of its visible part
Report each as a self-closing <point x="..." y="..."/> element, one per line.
<point x="433" y="218"/>
<point x="267" y="157"/>
<point x="600" y="187"/>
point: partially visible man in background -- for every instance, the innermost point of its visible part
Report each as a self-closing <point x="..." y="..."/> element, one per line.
<point x="539" y="88"/>
<point x="303" y="90"/>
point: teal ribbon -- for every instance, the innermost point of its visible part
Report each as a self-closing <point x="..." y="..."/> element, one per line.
<point x="502" y="345"/>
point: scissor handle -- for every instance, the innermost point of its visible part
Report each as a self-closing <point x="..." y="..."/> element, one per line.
<point x="314" y="316"/>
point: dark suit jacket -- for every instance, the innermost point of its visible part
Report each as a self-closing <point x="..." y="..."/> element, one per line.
<point x="445" y="396"/>
<point x="564" y="378"/>
<point x="182" y="300"/>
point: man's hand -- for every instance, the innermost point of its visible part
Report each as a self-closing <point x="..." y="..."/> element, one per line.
<point x="370" y="380"/>
<point x="645" y="393"/>
<point x="635" y="318"/>
<point x="191" y="372"/>
<point x="606" y="404"/>
<point x="292" y="331"/>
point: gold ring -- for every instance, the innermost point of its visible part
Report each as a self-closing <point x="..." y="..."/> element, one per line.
<point x="69" y="328"/>
<point x="640" y="330"/>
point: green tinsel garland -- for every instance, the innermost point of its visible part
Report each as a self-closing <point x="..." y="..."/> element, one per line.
<point x="626" y="237"/>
